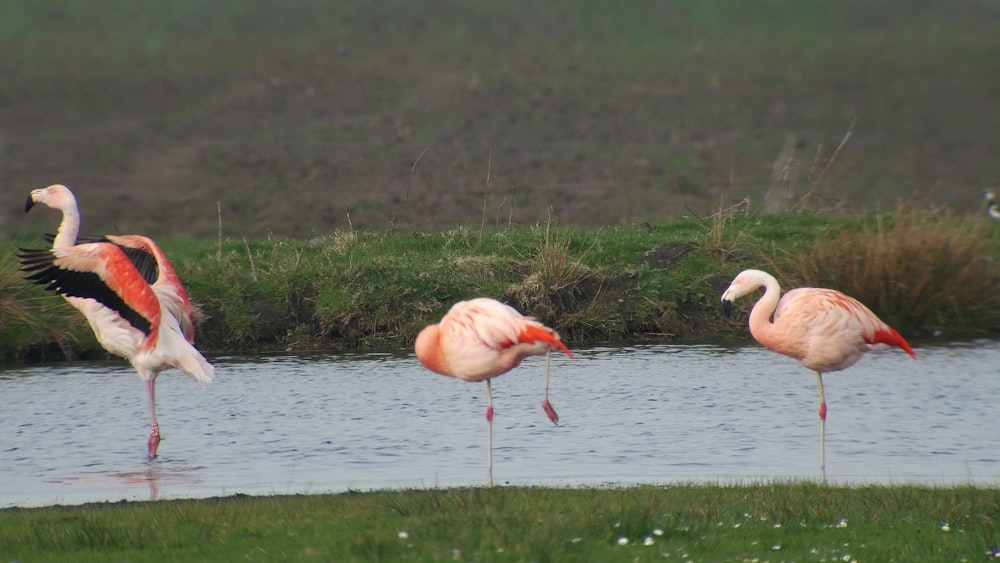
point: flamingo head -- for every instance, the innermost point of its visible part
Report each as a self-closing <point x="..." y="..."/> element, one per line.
<point x="56" y="196"/>
<point x="744" y="283"/>
<point x="428" y="350"/>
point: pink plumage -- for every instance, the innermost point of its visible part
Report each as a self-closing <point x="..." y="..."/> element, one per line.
<point x="128" y="292"/>
<point x="482" y="338"/>
<point x="823" y="329"/>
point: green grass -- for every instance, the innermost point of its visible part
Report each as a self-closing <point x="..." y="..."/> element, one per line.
<point x="764" y="522"/>
<point x="931" y="274"/>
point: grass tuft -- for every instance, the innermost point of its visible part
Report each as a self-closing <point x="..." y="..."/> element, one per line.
<point x="32" y="323"/>
<point x="915" y="268"/>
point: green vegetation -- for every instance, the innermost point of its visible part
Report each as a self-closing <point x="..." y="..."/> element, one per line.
<point x="929" y="273"/>
<point x="767" y="522"/>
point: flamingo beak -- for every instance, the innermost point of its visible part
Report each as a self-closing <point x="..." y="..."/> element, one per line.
<point x="29" y="204"/>
<point x="727" y="306"/>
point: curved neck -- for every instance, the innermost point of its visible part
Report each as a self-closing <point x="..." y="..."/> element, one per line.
<point x="760" y="315"/>
<point x="69" y="228"/>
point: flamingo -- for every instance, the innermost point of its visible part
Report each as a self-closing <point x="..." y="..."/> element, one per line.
<point x="823" y="329"/>
<point x="128" y="292"/>
<point x="482" y="338"/>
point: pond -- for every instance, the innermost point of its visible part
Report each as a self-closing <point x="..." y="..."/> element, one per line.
<point x="76" y="432"/>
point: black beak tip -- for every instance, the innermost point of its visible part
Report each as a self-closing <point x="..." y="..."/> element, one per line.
<point x="29" y="204"/>
<point x="727" y="306"/>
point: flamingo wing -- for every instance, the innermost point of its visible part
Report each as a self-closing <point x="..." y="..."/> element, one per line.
<point x="141" y="257"/>
<point x="166" y="283"/>
<point x="828" y="311"/>
<point x="98" y="271"/>
<point x="497" y="326"/>
<point x="143" y="260"/>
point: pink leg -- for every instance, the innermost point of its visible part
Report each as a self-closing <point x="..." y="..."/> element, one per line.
<point x="546" y="405"/>
<point x="822" y="428"/>
<point x="489" y="422"/>
<point x="154" y="433"/>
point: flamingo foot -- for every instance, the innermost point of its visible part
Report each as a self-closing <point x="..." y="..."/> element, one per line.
<point x="154" y="440"/>
<point x="822" y="411"/>
<point x="551" y="412"/>
<point x="489" y="414"/>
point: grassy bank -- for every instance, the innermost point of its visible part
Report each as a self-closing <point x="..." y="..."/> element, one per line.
<point x="769" y="522"/>
<point x="929" y="273"/>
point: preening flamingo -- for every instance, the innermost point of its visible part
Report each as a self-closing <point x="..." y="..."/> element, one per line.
<point x="127" y="290"/>
<point x="482" y="338"/>
<point x="824" y="329"/>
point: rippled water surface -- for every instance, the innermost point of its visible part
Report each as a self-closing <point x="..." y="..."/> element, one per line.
<point x="74" y="433"/>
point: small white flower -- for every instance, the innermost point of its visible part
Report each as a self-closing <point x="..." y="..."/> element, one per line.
<point x="403" y="534"/>
<point x="648" y="541"/>
<point x="577" y="539"/>
<point x="776" y="547"/>
<point x="945" y="527"/>
<point x="777" y="525"/>
<point x="842" y="523"/>
<point x="659" y="531"/>
<point x="623" y="541"/>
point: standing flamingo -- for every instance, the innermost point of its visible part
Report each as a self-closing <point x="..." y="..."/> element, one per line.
<point x="482" y="338"/>
<point x="824" y="329"/>
<point x="128" y="292"/>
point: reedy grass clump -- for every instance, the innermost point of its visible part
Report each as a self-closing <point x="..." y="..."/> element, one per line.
<point x="28" y="317"/>
<point x="926" y="271"/>
<point x="777" y="521"/>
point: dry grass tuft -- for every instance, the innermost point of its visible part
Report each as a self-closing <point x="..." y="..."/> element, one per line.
<point x="921" y="271"/>
<point x="553" y="287"/>
<point x="26" y="312"/>
<point x="718" y="239"/>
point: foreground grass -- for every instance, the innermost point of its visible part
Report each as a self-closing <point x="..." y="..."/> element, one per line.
<point x="929" y="273"/>
<point x="770" y="522"/>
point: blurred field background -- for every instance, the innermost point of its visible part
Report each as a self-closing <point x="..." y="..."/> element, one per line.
<point x="299" y="118"/>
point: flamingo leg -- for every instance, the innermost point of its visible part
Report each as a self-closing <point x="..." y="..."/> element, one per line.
<point x="546" y="405"/>
<point x="822" y="428"/>
<point x="154" y="432"/>
<point x="489" y="425"/>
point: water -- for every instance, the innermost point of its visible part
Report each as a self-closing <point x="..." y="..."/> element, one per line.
<point x="75" y="433"/>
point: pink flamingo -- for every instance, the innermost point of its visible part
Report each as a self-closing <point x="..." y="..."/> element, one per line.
<point x="824" y="329"/>
<point x="482" y="338"/>
<point x="128" y="292"/>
